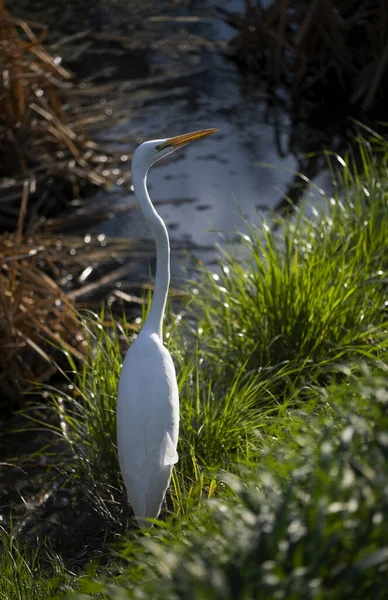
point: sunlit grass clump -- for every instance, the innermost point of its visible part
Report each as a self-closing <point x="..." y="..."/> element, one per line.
<point x="309" y="294"/>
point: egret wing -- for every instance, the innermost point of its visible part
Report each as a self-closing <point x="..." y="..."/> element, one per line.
<point x="169" y="455"/>
<point x="147" y="411"/>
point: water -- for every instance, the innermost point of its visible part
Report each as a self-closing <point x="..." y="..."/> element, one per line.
<point x="216" y="184"/>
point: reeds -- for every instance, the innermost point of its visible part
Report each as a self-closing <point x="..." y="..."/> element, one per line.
<point x="41" y="280"/>
<point x="35" y="137"/>
<point x="46" y="158"/>
<point x="33" y="307"/>
<point x="339" y="43"/>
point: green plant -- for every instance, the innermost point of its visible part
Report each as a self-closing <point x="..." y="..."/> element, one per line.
<point x="28" y="573"/>
<point x="85" y="417"/>
<point x="308" y="294"/>
<point x="320" y="531"/>
<point x="215" y="431"/>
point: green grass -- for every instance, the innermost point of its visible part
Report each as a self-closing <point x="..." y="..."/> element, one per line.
<point x="309" y="296"/>
<point x="85" y="411"/>
<point x="319" y="532"/>
<point x="28" y="573"/>
<point x="268" y="355"/>
<point x="215" y="431"/>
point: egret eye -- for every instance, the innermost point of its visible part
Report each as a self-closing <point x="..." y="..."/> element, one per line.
<point x="158" y="147"/>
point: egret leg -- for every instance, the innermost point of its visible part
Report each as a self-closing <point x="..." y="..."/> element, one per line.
<point x="125" y="517"/>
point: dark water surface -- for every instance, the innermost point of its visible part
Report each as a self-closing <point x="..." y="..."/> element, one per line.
<point x="215" y="185"/>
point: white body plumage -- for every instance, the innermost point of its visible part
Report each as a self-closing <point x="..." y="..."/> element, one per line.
<point x="148" y="402"/>
<point x="147" y="430"/>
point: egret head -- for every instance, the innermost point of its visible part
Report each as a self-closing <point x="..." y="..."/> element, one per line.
<point x="150" y="152"/>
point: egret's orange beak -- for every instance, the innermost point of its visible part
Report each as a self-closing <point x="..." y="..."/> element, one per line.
<point x="187" y="138"/>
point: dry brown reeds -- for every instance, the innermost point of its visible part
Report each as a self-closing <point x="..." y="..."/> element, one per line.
<point x="33" y="307"/>
<point x="342" y="43"/>
<point x="41" y="280"/>
<point x="35" y="139"/>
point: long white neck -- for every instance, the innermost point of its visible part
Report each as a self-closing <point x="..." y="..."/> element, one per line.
<point x="154" y="320"/>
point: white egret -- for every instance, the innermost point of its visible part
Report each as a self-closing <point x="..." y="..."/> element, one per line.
<point x="148" y="402"/>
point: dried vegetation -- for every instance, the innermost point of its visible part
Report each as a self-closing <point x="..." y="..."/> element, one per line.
<point x="46" y="160"/>
<point x="41" y="280"/>
<point x="36" y="141"/>
<point x="338" y="43"/>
